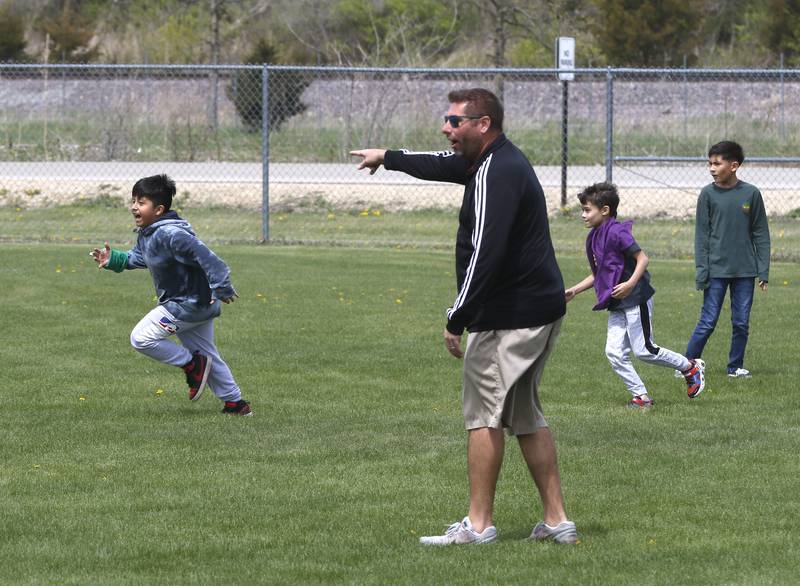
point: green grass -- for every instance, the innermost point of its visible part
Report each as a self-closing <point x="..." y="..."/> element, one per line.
<point x="357" y="445"/>
<point x="107" y="219"/>
<point x="115" y="138"/>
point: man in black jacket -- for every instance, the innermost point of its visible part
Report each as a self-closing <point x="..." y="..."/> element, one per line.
<point x="510" y="298"/>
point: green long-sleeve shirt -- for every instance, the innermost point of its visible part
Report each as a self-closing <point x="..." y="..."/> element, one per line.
<point x="731" y="237"/>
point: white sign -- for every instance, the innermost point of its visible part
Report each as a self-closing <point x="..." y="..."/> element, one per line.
<point x="565" y="58"/>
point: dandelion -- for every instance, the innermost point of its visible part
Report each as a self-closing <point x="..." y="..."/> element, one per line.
<point x="58" y="269"/>
<point x="651" y="542"/>
<point x="364" y="213"/>
<point x="786" y="282"/>
<point x="398" y="301"/>
<point x="331" y="216"/>
<point x="82" y="398"/>
<point x="376" y="213"/>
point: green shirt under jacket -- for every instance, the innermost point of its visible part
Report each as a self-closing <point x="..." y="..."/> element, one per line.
<point x="731" y="237"/>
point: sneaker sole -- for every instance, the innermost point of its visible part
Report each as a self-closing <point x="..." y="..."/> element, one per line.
<point x="701" y="366"/>
<point x="202" y="386"/>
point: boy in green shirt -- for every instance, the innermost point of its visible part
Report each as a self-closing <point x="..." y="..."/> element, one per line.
<point x="731" y="250"/>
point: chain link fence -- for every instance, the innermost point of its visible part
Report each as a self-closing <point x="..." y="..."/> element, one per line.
<point x="262" y="152"/>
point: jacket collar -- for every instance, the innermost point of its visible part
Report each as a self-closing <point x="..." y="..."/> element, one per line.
<point x="493" y="146"/>
<point x="170" y="215"/>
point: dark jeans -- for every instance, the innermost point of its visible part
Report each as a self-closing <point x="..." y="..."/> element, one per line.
<point x="741" y="302"/>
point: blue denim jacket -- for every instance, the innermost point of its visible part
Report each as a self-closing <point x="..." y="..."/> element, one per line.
<point x="186" y="274"/>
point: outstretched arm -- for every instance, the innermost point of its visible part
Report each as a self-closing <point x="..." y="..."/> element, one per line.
<point x="370" y="159"/>
<point x="101" y="256"/>
<point x="585" y="284"/>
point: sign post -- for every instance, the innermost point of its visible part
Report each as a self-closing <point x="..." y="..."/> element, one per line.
<point x="565" y="63"/>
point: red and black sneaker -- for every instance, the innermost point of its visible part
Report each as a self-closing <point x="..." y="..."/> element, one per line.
<point x="197" y="374"/>
<point x="695" y="378"/>
<point x="642" y="402"/>
<point x="240" y="407"/>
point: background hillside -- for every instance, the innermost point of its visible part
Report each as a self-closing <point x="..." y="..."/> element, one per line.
<point x="638" y="33"/>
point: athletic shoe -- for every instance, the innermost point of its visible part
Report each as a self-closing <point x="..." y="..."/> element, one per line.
<point x="640" y="402"/>
<point x="562" y="533"/>
<point x="460" y="534"/>
<point x="240" y="407"/>
<point x="197" y="374"/>
<point x="695" y="378"/>
<point x="739" y="373"/>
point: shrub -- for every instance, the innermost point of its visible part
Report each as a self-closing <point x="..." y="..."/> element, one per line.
<point x="285" y="91"/>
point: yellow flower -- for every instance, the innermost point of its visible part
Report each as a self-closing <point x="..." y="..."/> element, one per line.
<point x="159" y="392"/>
<point x="331" y="216"/>
<point x="364" y="214"/>
<point x="786" y="282"/>
<point x="376" y="213"/>
<point x="398" y="301"/>
<point x="58" y="269"/>
<point x="82" y="398"/>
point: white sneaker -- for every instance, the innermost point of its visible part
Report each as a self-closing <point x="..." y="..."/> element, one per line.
<point x="563" y="533"/>
<point x="460" y="534"/>
<point x="678" y="374"/>
<point x="740" y="373"/>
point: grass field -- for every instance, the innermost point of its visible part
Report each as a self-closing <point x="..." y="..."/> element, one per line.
<point x="107" y="219"/>
<point x="190" y="139"/>
<point x="110" y="475"/>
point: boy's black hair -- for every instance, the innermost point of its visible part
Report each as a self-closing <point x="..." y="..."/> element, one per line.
<point x="601" y="194"/>
<point x="728" y="150"/>
<point x="159" y="189"/>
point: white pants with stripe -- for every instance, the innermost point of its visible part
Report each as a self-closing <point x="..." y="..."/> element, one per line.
<point x="150" y="337"/>
<point x="631" y="331"/>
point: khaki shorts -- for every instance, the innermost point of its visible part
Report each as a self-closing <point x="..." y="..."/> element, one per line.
<point x="502" y="370"/>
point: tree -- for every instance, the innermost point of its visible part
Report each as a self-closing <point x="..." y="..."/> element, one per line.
<point x="285" y="91"/>
<point x="12" y="35"/>
<point x="372" y="32"/>
<point x="71" y="35"/>
<point x="781" y="29"/>
<point x="639" y="33"/>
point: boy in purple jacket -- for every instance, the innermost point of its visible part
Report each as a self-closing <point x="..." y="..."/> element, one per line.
<point x="622" y="284"/>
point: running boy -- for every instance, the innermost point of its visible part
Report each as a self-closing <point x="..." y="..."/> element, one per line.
<point x="731" y="249"/>
<point x="190" y="281"/>
<point x="622" y="284"/>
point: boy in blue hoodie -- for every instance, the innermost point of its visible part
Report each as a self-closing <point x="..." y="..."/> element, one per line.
<point x="622" y="284"/>
<point x="190" y="281"/>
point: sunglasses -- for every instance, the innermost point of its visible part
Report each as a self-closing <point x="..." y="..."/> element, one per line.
<point x="455" y="121"/>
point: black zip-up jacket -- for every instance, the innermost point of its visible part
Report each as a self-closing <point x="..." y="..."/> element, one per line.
<point x="506" y="268"/>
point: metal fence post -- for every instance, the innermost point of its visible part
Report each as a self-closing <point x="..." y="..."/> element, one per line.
<point x="609" y="124"/>
<point x="264" y="153"/>
<point x="564" y="140"/>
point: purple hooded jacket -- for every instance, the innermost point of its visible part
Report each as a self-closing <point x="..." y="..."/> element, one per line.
<point x="605" y="248"/>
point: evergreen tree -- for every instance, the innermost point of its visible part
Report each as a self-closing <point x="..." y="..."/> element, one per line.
<point x="642" y="33"/>
<point x="12" y="35"/>
<point x="285" y="91"/>
<point x="781" y="29"/>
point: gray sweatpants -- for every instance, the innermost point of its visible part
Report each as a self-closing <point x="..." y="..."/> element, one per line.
<point x="631" y="331"/>
<point x="150" y="337"/>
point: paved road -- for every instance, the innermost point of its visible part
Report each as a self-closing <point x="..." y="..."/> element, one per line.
<point x="679" y="176"/>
